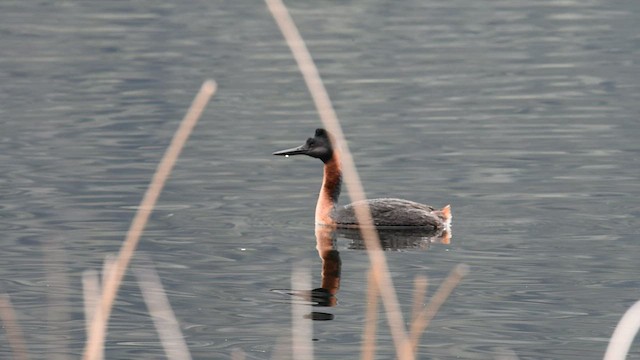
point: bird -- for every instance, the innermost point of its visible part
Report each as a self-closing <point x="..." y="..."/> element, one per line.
<point x="387" y="213"/>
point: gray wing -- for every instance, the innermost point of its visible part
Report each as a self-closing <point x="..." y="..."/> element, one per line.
<point x="388" y="212"/>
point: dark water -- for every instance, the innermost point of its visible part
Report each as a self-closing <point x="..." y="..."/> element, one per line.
<point x="523" y="115"/>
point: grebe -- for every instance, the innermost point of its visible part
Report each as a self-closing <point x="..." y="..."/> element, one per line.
<point x="386" y="212"/>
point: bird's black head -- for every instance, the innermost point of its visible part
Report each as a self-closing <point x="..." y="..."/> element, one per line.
<point x="318" y="147"/>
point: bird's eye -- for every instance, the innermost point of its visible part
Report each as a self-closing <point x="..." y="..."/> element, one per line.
<point x="311" y="142"/>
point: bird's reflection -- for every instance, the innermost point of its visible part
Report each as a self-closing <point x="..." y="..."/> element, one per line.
<point x="399" y="239"/>
<point x="326" y="245"/>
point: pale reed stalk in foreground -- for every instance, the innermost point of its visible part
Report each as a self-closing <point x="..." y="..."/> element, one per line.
<point x="368" y="350"/>
<point x="91" y="296"/>
<point x="301" y="327"/>
<point x="15" y="337"/>
<point x="58" y="305"/>
<point x="113" y="280"/>
<point x="352" y="180"/>
<point x="238" y="354"/>
<point x="107" y="266"/>
<point x="624" y="334"/>
<point x="281" y="351"/>
<point x="421" y="322"/>
<point x="163" y="317"/>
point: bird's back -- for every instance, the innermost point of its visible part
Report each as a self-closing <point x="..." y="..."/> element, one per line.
<point x="389" y="212"/>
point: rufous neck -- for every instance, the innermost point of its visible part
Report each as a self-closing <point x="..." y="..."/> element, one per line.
<point x="330" y="191"/>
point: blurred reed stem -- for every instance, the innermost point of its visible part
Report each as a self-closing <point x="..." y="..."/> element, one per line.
<point x="164" y="319"/>
<point x="624" y="333"/>
<point x="368" y="350"/>
<point x="422" y="320"/>
<point x="15" y="336"/>
<point x="113" y="279"/>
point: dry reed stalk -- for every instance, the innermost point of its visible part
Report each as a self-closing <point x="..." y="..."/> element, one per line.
<point x="624" y="334"/>
<point x="420" y="285"/>
<point x="281" y="349"/>
<point x="15" y="336"/>
<point x="351" y="177"/>
<point x="421" y="322"/>
<point x="368" y="350"/>
<point x="301" y="327"/>
<point x="107" y="266"/>
<point x="58" y="306"/>
<point x="91" y="296"/>
<point x="238" y="354"/>
<point x="162" y="315"/>
<point x="113" y="280"/>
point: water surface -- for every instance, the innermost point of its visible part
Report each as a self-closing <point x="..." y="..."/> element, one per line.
<point x="522" y="115"/>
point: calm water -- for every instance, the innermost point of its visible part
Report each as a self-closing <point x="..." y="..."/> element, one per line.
<point x="523" y="115"/>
